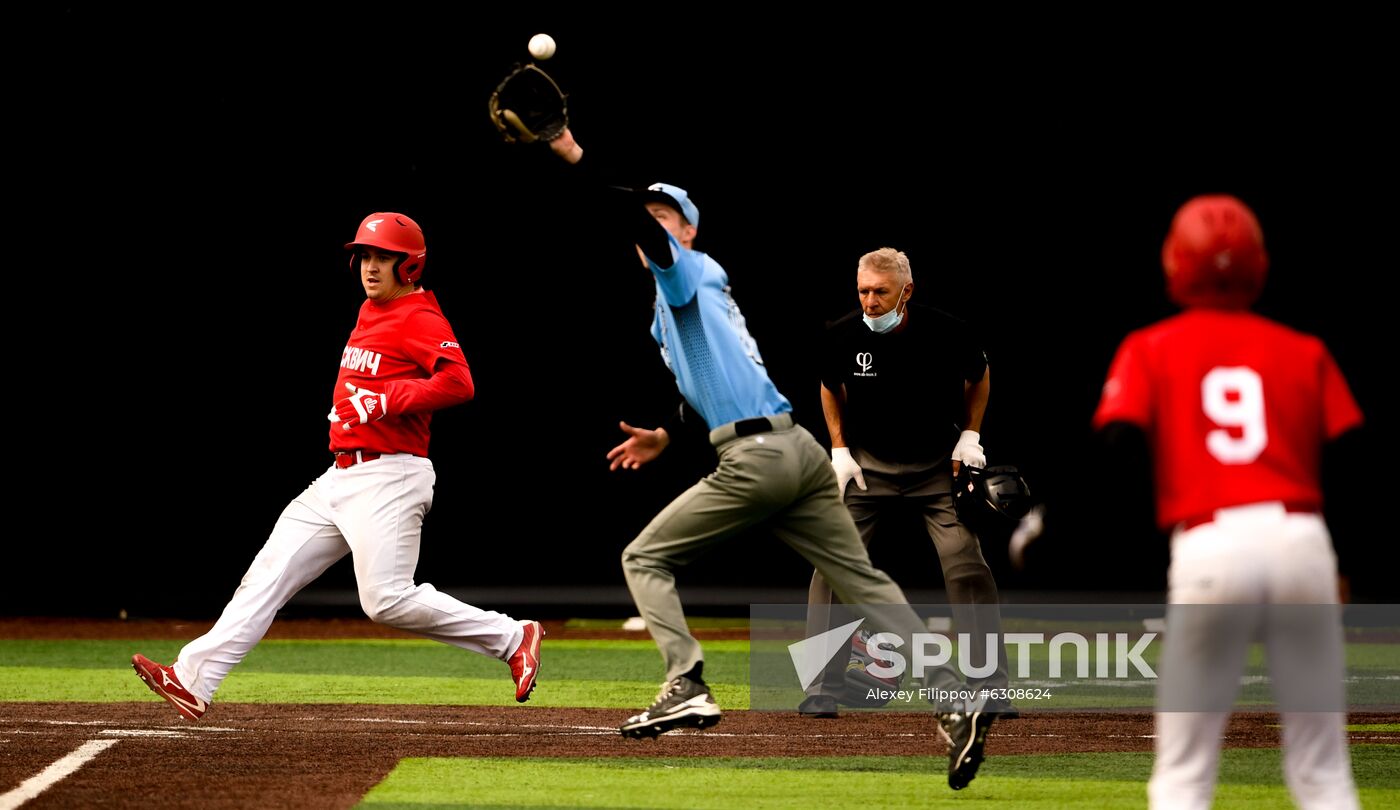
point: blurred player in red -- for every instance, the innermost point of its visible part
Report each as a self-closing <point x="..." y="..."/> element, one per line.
<point x="401" y="363"/>
<point x="1235" y="410"/>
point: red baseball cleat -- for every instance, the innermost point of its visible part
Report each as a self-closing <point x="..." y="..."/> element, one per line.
<point x="525" y="661"/>
<point x="161" y="679"/>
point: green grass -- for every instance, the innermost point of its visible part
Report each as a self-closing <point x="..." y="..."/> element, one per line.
<point x="605" y="674"/>
<point x="600" y="673"/>
<point x="1249" y="778"/>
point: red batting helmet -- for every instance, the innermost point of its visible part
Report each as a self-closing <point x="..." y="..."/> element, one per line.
<point x="1214" y="255"/>
<point x="397" y="233"/>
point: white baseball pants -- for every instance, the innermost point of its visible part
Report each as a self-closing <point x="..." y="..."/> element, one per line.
<point x="374" y="511"/>
<point x="1252" y="557"/>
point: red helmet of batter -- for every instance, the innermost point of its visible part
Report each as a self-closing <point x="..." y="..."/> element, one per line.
<point x="397" y="233"/>
<point x="1214" y="254"/>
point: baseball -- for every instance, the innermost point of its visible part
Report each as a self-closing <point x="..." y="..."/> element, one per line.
<point x="541" y="46"/>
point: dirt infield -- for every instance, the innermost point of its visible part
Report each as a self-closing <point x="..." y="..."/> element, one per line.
<point x="329" y="755"/>
<point x="247" y="755"/>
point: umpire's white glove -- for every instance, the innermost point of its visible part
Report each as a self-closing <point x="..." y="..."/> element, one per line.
<point x="846" y="469"/>
<point x="968" y="451"/>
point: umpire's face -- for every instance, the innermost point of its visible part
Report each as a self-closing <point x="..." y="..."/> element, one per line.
<point x="377" y="274"/>
<point x="880" y="292"/>
<point x="673" y="222"/>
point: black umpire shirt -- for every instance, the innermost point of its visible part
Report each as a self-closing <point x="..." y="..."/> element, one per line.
<point x="904" y="389"/>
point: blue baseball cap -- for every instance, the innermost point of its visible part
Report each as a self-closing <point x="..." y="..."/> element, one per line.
<point x="677" y="198"/>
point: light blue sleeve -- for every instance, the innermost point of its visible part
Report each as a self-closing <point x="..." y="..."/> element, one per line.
<point x="679" y="281"/>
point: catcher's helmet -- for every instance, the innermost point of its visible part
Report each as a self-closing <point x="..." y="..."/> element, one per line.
<point x="996" y="494"/>
<point x="1214" y="254"/>
<point x="398" y="233"/>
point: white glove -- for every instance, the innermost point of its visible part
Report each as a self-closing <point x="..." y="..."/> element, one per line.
<point x="968" y="451"/>
<point x="846" y="469"/>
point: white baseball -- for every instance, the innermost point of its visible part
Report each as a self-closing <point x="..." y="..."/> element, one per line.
<point x="541" y="46"/>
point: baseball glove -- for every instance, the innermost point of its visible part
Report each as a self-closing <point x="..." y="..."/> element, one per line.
<point x="528" y="106"/>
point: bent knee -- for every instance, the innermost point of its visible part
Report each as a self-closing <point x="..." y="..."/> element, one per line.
<point x="382" y="606"/>
<point x="636" y="555"/>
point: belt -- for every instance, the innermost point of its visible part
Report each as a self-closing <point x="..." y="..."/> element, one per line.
<point x="1210" y="517"/>
<point x="749" y="427"/>
<point x="349" y="458"/>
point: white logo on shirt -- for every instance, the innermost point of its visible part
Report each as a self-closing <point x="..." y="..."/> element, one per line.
<point x="865" y="360"/>
<point x="447" y="344"/>
<point x="361" y="360"/>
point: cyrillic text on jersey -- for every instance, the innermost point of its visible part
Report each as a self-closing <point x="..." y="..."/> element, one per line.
<point x="360" y="360"/>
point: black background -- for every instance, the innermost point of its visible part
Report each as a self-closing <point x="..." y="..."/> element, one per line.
<point x="180" y="295"/>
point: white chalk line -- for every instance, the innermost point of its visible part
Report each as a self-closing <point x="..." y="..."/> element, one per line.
<point x="54" y="774"/>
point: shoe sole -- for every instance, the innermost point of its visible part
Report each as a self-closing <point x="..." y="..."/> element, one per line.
<point x="151" y="683"/>
<point x="534" y="653"/>
<point x="687" y="719"/>
<point x="969" y="759"/>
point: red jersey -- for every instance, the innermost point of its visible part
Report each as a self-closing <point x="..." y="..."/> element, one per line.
<point x="405" y="350"/>
<point x="1236" y="409"/>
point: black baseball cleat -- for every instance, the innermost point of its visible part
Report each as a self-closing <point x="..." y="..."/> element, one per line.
<point x="682" y="703"/>
<point x="819" y="706"/>
<point x="966" y="733"/>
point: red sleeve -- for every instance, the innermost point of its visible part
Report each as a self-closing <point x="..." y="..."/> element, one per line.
<point x="1340" y="412"/>
<point x="431" y="344"/>
<point x="1127" y="394"/>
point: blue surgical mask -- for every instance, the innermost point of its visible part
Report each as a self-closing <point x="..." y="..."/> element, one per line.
<point x="884" y="323"/>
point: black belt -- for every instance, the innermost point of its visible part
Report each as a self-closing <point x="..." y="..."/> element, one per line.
<point x="748" y="427"/>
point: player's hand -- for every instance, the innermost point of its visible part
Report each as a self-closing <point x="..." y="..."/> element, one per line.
<point x="968" y="451"/>
<point x="1027" y="530"/>
<point x="846" y="468"/>
<point x="642" y="445"/>
<point x="360" y="407"/>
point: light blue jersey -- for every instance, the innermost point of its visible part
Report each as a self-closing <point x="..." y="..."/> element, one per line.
<point x="707" y="345"/>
